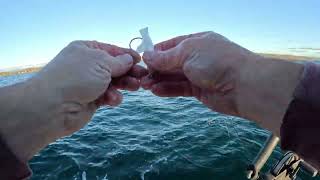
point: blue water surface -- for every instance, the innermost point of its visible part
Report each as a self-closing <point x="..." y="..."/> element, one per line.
<point x="148" y="137"/>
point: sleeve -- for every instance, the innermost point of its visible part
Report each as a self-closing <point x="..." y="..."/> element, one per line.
<point x="300" y="130"/>
<point x="11" y="168"/>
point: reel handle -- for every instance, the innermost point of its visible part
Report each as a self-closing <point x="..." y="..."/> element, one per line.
<point x="309" y="168"/>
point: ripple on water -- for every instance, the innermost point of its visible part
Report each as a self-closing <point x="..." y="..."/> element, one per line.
<point x="152" y="138"/>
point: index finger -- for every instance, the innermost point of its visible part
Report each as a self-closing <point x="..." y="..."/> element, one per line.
<point x="114" y="50"/>
<point x="171" y="43"/>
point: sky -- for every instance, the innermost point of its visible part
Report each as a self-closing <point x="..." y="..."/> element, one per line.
<point x="34" y="31"/>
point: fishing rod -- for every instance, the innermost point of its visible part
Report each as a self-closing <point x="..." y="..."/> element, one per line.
<point x="285" y="169"/>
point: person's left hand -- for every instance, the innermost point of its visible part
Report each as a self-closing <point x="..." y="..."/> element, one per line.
<point x="64" y="95"/>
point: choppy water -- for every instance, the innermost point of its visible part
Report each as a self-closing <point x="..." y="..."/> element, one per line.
<point x="152" y="138"/>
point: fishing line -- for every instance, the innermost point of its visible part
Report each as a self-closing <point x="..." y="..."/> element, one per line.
<point x="136" y="38"/>
<point x="226" y="125"/>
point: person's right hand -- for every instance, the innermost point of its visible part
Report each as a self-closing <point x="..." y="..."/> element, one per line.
<point x="223" y="75"/>
<point x="204" y="65"/>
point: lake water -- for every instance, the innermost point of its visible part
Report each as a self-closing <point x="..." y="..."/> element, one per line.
<point x="147" y="137"/>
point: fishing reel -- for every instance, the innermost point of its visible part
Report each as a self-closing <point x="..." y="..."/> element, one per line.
<point x="285" y="169"/>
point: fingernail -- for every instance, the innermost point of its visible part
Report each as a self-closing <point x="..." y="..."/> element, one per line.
<point x="126" y="58"/>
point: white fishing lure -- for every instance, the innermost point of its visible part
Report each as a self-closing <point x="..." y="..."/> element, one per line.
<point x="146" y="44"/>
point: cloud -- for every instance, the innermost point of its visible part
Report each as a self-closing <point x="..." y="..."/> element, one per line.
<point x="297" y="50"/>
<point x="305" y="49"/>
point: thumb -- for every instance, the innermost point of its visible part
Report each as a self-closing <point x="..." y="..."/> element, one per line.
<point x="168" y="60"/>
<point x="120" y="65"/>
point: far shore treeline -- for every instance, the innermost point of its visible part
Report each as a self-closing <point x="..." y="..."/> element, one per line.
<point x="20" y="71"/>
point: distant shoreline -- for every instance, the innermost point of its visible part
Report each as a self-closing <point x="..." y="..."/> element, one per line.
<point x="20" y="71"/>
<point x="288" y="57"/>
<point x="278" y="56"/>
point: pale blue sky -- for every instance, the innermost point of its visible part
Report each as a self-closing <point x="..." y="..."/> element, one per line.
<point x="34" y="31"/>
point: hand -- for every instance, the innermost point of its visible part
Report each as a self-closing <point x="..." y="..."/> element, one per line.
<point x="63" y="96"/>
<point x="187" y="66"/>
<point x="224" y="76"/>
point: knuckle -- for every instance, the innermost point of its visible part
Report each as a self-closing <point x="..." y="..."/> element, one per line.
<point x="215" y="36"/>
<point x="103" y="71"/>
<point x="188" y="42"/>
<point x="187" y="68"/>
<point x="189" y="46"/>
<point x="73" y="47"/>
<point x="98" y="55"/>
<point x="76" y="43"/>
<point x="211" y="33"/>
<point x="163" y="61"/>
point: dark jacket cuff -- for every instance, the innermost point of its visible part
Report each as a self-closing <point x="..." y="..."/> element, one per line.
<point x="300" y="130"/>
<point x="11" y="168"/>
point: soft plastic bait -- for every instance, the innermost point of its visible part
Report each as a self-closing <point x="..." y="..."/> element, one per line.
<point x="146" y="44"/>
